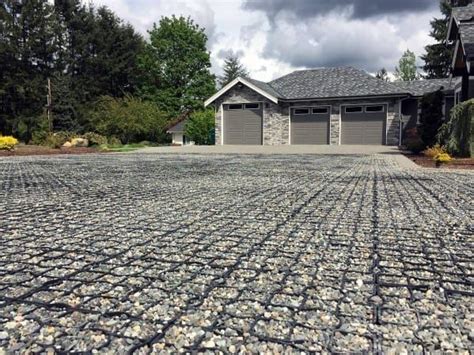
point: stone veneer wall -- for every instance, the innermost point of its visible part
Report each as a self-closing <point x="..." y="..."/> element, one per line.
<point x="276" y="120"/>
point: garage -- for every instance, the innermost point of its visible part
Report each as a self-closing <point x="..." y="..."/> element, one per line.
<point x="310" y="125"/>
<point x="243" y="124"/>
<point x="364" y="124"/>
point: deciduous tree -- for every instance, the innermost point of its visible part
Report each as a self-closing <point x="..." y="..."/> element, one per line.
<point x="406" y="69"/>
<point x="176" y="66"/>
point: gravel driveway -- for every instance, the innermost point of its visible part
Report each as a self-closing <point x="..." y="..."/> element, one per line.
<point x="145" y="253"/>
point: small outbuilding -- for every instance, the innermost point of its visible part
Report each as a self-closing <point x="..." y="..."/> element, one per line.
<point x="177" y="132"/>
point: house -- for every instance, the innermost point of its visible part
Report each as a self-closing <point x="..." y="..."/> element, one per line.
<point x="319" y="106"/>
<point x="461" y="33"/>
<point x="177" y="132"/>
<point x="411" y="106"/>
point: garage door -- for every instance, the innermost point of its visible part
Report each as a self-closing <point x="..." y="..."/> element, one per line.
<point x="310" y="125"/>
<point x="363" y="124"/>
<point x="243" y="124"/>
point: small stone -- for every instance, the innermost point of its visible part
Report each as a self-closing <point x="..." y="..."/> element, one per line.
<point x="209" y="344"/>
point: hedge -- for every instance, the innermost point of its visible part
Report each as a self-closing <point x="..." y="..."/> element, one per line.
<point x="457" y="134"/>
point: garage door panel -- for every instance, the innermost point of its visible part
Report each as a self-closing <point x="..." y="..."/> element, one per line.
<point x="310" y="129"/>
<point x="243" y="127"/>
<point x="363" y="128"/>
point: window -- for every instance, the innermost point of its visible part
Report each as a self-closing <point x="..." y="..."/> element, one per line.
<point x="301" y="111"/>
<point x="378" y="108"/>
<point x="252" y="106"/>
<point x="235" y="107"/>
<point x="353" y="109"/>
<point x="320" y="110"/>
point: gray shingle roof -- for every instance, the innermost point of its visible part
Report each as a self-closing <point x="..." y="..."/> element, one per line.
<point x="178" y="127"/>
<point x="264" y="86"/>
<point x="465" y="13"/>
<point x="467" y="37"/>
<point x="421" y="87"/>
<point x="331" y="83"/>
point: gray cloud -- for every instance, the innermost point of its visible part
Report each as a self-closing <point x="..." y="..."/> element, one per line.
<point x="329" y="33"/>
<point x="359" y="9"/>
<point x="226" y="53"/>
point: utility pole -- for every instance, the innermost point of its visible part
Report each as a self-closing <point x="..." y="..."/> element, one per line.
<point x="49" y="107"/>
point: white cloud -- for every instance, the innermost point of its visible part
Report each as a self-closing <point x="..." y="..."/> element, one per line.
<point x="288" y="43"/>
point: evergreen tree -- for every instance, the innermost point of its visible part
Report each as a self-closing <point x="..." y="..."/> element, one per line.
<point x="27" y="53"/>
<point x="232" y="69"/>
<point x="438" y="56"/>
<point x="176" y="66"/>
<point x="406" y="69"/>
<point x="382" y="74"/>
<point x="431" y="117"/>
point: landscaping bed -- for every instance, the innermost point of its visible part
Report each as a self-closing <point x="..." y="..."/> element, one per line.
<point x="428" y="162"/>
<point x="24" y="150"/>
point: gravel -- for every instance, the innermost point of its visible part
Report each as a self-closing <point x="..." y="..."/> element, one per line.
<point x="194" y="253"/>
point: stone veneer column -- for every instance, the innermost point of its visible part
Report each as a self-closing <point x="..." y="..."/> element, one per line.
<point x="335" y="124"/>
<point x="218" y="129"/>
<point x="393" y="124"/>
<point x="275" y="124"/>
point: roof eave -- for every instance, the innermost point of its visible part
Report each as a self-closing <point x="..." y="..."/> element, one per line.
<point x="449" y="37"/>
<point x="244" y="82"/>
<point x="405" y="94"/>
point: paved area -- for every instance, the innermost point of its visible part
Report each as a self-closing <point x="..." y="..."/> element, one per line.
<point x="273" y="150"/>
<point x="180" y="253"/>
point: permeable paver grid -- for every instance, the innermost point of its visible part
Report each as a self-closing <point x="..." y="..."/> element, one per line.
<point x="148" y="253"/>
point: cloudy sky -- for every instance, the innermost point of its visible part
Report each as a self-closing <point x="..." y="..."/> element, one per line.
<point x="274" y="37"/>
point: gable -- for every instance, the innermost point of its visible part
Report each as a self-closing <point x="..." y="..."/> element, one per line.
<point x="234" y="84"/>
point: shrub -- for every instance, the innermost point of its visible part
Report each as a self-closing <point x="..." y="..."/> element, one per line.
<point x="457" y="134"/>
<point x="434" y="151"/>
<point x="415" y="145"/>
<point x="200" y="127"/>
<point x="442" y="158"/>
<point x="431" y="117"/>
<point x="114" y="141"/>
<point x="57" y="139"/>
<point x="7" y="142"/>
<point x="95" y="138"/>
<point x="130" y="119"/>
<point x="413" y="141"/>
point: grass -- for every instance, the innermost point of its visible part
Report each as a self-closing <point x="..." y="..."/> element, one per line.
<point x="122" y="148"/>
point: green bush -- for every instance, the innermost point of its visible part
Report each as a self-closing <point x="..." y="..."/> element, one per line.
<point x="457" y="134"/>
<point x="114" y="141"/>
<point x="95" y="138"/>
<point x="200" y="127"/>
<point x="431" y="117"/>
<point x="57" y="139"/>
<point x="129" y="119"/>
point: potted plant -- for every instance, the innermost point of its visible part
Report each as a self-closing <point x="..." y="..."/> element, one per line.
<point x="442" y="158"/>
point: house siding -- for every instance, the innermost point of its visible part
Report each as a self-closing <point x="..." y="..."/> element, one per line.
<point x="276" y="117"/>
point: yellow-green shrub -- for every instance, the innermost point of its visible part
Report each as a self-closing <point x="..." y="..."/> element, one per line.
<point x="8" y="142"/>
<point x="434" y="151"/>
<point x="442" y="158"/>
